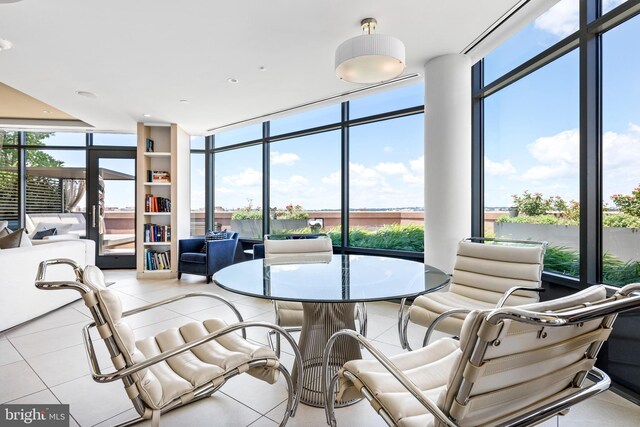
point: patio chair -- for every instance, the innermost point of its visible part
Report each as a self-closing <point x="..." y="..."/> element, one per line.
<point x="204" y="257"/>
<point x="176" y="366"/>
<point x="289" y="314"/>
<point x="484" y="273"/>
<point x="515" y="366"/>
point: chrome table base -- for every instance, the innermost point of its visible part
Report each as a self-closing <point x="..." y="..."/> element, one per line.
<point x="321" y="320"/>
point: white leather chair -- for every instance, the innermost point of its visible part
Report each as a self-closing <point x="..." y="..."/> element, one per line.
<point x="485" y="269"/>
<point x="512" y="366"/>
<point x="178" y="365"/>
<point x="289" y="248"/>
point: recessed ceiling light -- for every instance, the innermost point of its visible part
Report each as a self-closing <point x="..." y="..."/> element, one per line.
<point x="262" y="68"/>
<point x="5" y="45"/>
<point x="146" y="115"/>
<point x="232" y="80"/>
<point x="86" y="94"/>
<point x="184" y="101"/>
<point x="46" y="111"/>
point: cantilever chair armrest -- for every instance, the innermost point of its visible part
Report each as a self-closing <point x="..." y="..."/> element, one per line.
<point x="403" y="318"/>
<point x="451" y="312"/>
<point x="509" y="292"/>
<point x="98" y="376"/>
<point x="432" y="326"/>
<point x="327" y="384"/>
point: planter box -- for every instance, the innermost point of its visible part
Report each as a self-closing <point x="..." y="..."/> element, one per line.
<point x="279" y="225"/>
<point x="623" y="243"/>
<point x="247" y="228"/>
<point x="252" y="228"/>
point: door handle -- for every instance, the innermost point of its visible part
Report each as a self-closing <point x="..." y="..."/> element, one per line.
<point x="93" y="215"/>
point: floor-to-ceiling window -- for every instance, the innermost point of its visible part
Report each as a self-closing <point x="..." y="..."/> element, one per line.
<point x="354" y="166"/>
<point x="238" y="190"/>
<point x="43" y="175"/>
<point x="9" y="179"/>
<point x="386" y="184"/>
<point x="548" y="166"/>
<point x="621" y="153"/>
<point x="557" y="134"/>
<point x="531" y="153"/>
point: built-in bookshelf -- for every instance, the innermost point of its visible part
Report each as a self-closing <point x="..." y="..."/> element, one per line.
<point x="163" y="198"/>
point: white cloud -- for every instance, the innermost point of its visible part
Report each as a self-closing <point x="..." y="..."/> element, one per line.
<point x="287" y="159"/>
<point x="389" y="168"/>
<point x="246" y="178"/>
<point x="333" y="178"/>
<point x="621" y="156"/>
<point x="498" y="168"/>
<point x="411" y="179"/>
<point x="558" y="156"/>
<point x="417" y="165"/>
<point x="388" y="149"/>
<point x="561" y="20"/>
<point x="361" y="176"/>
<point x="297" y="180"/>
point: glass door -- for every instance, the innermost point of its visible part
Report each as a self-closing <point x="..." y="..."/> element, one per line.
<point x="111" y="207"/>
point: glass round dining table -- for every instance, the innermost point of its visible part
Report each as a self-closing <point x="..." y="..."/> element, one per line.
<point x="328" y="286"/>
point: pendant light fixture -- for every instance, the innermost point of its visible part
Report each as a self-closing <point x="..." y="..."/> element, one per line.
<point x="371" y="57"/>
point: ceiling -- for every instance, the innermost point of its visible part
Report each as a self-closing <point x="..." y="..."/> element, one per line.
<point x="145" y="56"/>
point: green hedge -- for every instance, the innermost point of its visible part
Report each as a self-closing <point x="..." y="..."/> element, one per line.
<point x="563" y="260"/>
<point x="611" y="220"/>
<point x="391" y="236"/>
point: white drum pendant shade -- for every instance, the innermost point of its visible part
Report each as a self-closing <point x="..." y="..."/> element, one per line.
<point x="370" y="58"/>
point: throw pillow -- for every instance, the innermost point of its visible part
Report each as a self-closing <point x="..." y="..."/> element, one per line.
<point x="215" y="235"/>
<point x="3" y="225"/>
<point x="12" y="240"/>
<point x="44" y="233"/>
<point x="62" y="228"/>
<point x="4" y="232"/>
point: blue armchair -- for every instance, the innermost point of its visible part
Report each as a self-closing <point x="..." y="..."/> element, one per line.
<point x="217" y="255"/>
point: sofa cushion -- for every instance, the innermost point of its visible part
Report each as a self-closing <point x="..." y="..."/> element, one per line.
<point x="39" y="235"/>
<point x="12" y="240"/>
<point x="194" y="257"/>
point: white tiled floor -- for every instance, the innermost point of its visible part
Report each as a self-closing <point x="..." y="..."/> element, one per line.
<point x="44" y="361"/>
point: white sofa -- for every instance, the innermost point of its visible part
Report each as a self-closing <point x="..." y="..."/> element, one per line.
<point x="21" y="300"/>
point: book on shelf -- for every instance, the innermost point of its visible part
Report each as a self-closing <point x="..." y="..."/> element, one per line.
<point x="157" y="233"/>
<point x="160" y="176"/>
<point x="155" y="260"/>
<point x="149" y="145"/>
<point x="156" y="204"/>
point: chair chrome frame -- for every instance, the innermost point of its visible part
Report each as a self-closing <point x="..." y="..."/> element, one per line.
<point x="403" y="316"/>
<point x="621" y="301"/>
<point x="125" y="373"/>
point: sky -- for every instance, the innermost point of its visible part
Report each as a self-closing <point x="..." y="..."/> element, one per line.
<point x="531" y="135"/>
<point x="531" y="127"/>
